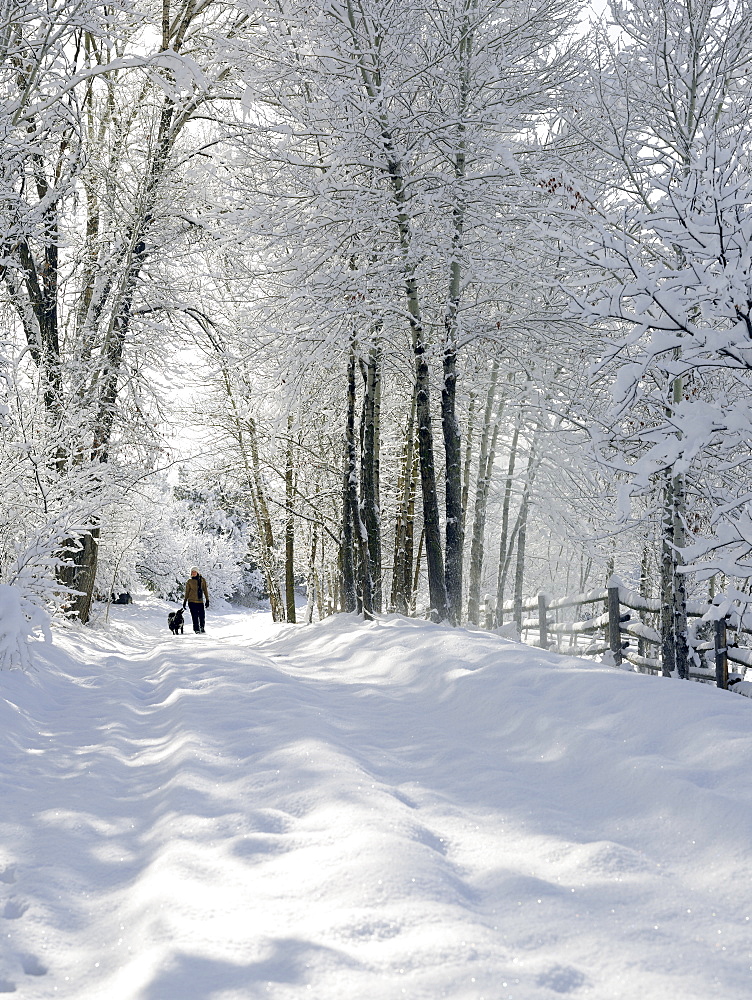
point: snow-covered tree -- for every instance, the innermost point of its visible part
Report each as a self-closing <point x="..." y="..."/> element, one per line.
<point x="661" y="172"/>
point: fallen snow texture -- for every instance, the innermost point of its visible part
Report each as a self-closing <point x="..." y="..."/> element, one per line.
<point x="353" y="811"/>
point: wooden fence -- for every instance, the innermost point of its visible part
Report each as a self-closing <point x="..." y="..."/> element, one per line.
<point x="716" y="639"/>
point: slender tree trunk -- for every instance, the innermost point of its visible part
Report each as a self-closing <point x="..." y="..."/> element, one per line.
<point x="504" y="541"/>
<point x="407" y="569"/>
<point x="679" y="597"/>
<point x="364" y="582"/>
<point x="431" y="522"/>
<point x="674" y="633"/>
<point x="290" y="527"/>
<point x="644" y="592"/>
<point x="312" y="581"/>
<point x="519" y="575"/>
<point x="370" y="474"/>
<point x="469" y="434"/>
<point x="668" y="651"/>
<point x="450" y="424"/>
<point x="349" y="502"/>
<point x="416" y="573"/>
<point x="481" y="499"/>
<point x="451" y="431"/>
<point x="679" y="609"/>
<point x="520" y="524"/>
<point x="402" y="562"/>
<point x="453" y="478"/>
<point x="322" y="593"/>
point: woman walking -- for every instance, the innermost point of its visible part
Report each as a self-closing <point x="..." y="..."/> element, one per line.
<point x="197" y="598"/>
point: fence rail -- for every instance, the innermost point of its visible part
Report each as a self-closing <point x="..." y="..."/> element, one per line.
<point x="709" y="656"/>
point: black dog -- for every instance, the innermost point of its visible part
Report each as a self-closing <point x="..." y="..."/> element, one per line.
<point x="175" y="621"/>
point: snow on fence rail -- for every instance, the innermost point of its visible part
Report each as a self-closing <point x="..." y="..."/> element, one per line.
<point x="613" y="631"/>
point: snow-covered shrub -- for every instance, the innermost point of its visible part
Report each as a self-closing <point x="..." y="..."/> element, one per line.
<point x="36" y="541"/>
<point x="23" y="617"/>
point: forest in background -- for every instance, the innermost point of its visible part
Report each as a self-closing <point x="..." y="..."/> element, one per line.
<point x="451" y="302"/>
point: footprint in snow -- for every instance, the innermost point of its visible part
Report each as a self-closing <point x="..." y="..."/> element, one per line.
<point x="8" y="874"/>
<point x="562" y="979"/>
<point x="32" y="966"/>
<point x="6" y="986"/>
<point x="14" y="909"/>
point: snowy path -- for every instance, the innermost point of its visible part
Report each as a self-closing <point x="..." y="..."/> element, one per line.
<point x="366" y="812"/>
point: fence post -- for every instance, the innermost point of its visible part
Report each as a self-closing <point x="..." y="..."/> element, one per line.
<point x="721" y="653"/>
<point x="614" y="624"/>
<point x="542" y="622"/>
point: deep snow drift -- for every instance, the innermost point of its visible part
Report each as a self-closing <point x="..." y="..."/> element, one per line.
<point x="353" y="811"/>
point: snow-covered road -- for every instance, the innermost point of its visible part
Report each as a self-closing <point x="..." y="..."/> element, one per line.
<point x="367" y="812"/>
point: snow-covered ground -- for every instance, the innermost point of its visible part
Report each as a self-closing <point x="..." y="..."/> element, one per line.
<point x="352" y="811"/>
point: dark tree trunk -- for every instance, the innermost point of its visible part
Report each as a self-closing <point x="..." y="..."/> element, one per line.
<point x="668" y="651"/>
<point x="370" y="473"/>
<point x="681" y="639"/>
<point x="290" y="527"/>
<point x="449" y="422"/>
<point x="431" y="522"/>
<point x="80" y="572"/>
<point x="350" y="511"/>
<point x="403" y="531"/>
<point x="453" y="486"/>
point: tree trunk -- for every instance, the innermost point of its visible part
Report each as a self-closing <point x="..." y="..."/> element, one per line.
<point x="431" y="522"/>
<point x="312" y="595"/>
<point x="679" y="602"/>
<point x="370" y="473"/>
<point x="403" y="533"/>
<point x="668" y="652"/>
<point x="407" y="568"/>
<point x="468" y="458"/>
<point x="350" y="513"/>
<point x="642" y="647"/>
<point x="505" y="541"/>
<point x="450" y="424"/>
<point x="416" y="573"/>
<point x="453" y="480"/>
<point x="481" y="499"/>
<point x="674" y="636"/>
<point x="362" y="560"/>
<point x="81" y="572"/>
<point x="519" y="575"/>
<point x="520" y="525"/>
<point x="290" y="527"/>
